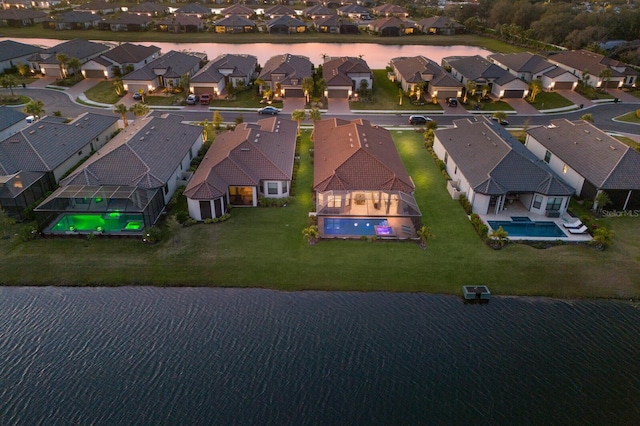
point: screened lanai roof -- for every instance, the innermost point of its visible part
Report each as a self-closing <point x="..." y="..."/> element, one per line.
<point x="98" y="198"/>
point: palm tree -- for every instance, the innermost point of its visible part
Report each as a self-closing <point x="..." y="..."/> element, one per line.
<point x="308" y="85"/>
<point x="142" y="93"/>
<point x="8" y="81"/>
<point x="259" y="84"/>
<point x="470" y="88"/>
<point x="424" y="233"/>
<point x="311" y="234"/>
<point x="400" y="96"/>
<point x="298" y="115"/>
<point x="605" y="75"/>
<point x="62" y="59"/>
<point x="603" y="237"/>
<point x="315" y="114"/>
<point x="75" y="64"/>
<point x="500" y="235"/>
<point x="485" y="89"/>
<point x="500" y="116"/>
<point x="118" y="86"/>
<point x="139" y="109"/>
<point x="35" y="108"/>
<point x="535" y="87"/>
<point x="122" y="110"/>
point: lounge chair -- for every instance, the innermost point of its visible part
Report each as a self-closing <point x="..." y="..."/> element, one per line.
<point x="580" y="230"/>
<point x="576" y="223"/>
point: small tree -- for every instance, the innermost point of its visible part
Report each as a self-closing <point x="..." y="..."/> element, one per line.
<point x="587" y="117"/>
<point x="185" y="83"/>
<point x="142" y="94"/>
<point x="8" y="81"/>
<point x="600" y="201"/>
<point x="24" y="69"/>
<point x="501" y="236"/>
<point x="535" y="87"/>
<point x="118" y="86"/>
<point x="299" y="115"/>
<point x="75" y="64"/>
<point x="35" y="108"/>
<point x="500" y="116"/>
<point x="122" y="110"/>
<point x="363" y="87"/>
<point x="217" y="120"/>
<point x="308" y="85"/>
<point x="139" y="110"/>
<point x="315" y="114"/>
<point x="62" y="59"/>
<point x="400" y="96"/>
<point x="603" y="237"/>
<point x="605" y="75"/>
<point x="311" y="234"/>
<point x="424" y="233"/>
<point x="485" y="89"/>
<point x="470" y="89"/>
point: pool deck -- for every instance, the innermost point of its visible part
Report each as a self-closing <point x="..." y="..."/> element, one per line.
<point x="517" y="209"/>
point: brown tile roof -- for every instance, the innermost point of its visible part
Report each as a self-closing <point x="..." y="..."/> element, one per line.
<point x="335" y="71"/>
<point x="351" y="155"/>
<point x="245" y="156"/>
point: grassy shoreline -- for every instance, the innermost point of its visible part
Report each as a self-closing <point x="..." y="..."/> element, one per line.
<point x="264" y="248"/>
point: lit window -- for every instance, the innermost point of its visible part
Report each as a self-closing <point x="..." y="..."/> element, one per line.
<point x="564" y="169"/>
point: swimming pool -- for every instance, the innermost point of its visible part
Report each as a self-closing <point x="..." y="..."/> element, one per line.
<point x="528" y="229"/>
<point x="106" y="223"/>
<point x="354" y="227"/>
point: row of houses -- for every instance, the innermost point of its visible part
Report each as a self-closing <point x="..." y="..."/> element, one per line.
<point x="237" y="18"/>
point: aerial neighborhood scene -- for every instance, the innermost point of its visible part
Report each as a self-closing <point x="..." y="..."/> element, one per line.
<point x="183" y="136"/>
<point x="319" y="212"/>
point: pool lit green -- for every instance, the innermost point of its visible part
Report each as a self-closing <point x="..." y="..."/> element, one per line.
<point x="105" y="222"/>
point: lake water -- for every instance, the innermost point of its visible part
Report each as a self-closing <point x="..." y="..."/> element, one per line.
<point x="377" y="56"/>
<point x="182" y="356"/>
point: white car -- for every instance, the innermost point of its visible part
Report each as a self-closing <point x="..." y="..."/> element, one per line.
<point x="193" y="99"/>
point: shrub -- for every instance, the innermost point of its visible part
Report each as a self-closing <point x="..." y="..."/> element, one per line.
<point x="466" y="205"/>
<point x="28" y="233"/>
<point x="153" y="235"/>
<point x="638" y="113"/>
<point x="189" y="222"/>
<point x="182" y="216"/>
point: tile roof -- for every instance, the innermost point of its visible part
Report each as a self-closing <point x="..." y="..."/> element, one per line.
<point x="10" y="116"/>
<point x="235" y="21"/>
<point x="287" y="21"/>
<point x="416" y="69"/>
<point x="318" y="10"/>
<point x="390" y="22"/>
<point x="45" y="145"/>
<point x="599" y="158"/>
<point x="438" y="22"/>
<point x="353" y="8"/>
<point x="235" y="66"/>
<point x="476" y="67"/>
<point x="181" y="20"/>
<point x="389" y="8"/>
<point x="144" y="155"/>
<point x="10" y="49"/>
<point x="280" y="9"/>
<point x="194" y="8"/>
<point x="245" y="156"/>
<point x="130" y="53"/>
<point x="351" y="155"/>
<point x="291" y="66"/>
<point x="128" y="18"/>
<point x="148" y="7"/>
<point x="523" y="62"/>
<point x="336" y="71"/>
<point x="76" y="48"/>
<point x="20" y="14"/>
<point x="237" y="9"/>
<point x="176" y="63"/>
<point x="592" y="62"/>
<point x="494" y="162"/>
<point x="77" y="16"/>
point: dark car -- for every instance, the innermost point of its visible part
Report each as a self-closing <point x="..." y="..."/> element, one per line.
<point x="269" y="110"/>
<point x="205" y="99"/>
<point x="418" y="119"/>
<point x="503" y="122"/>
<point x="452" y="102"/>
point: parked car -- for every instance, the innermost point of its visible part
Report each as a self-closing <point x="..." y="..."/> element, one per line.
<point x="418" y="119"/>
<point x="205" y="99"/>
<point x="193" y="99"/>
<point x="269" y="110"/>
<point x="452" y="102"/>
<point x="137" y="96"/>
<point x="503" y="122"/>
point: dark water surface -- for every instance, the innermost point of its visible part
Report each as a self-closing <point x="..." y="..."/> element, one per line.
<point x="147" y="356"/>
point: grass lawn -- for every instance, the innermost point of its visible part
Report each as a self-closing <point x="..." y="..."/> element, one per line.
<point x="630" y="117"/>
<point x="550" y="100"/>
<point x="488" y="105"/>
<point x="386" y="97"/>
<point x="629" y="142"/>
<point x="14" y="100"/>
<point x="264" y="247"/>
<point x="164" y="99"/>
<point x="592" y="93"/>
<point x="244" y="99"/>
<point x="103" y="92"/>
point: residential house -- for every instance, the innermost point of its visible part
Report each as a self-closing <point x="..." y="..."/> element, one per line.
<point x="279" y="10"/>
<point x="494" y="170"/>
<point x="358" y="172"/>
<point x="412" y="71"/>
<point x="389" y="9"/>
<point x="243" y="165"/>
<point x="501" y="83"/>
<point x="530" y="66"/>
<point x="151" y="9"/>
<point x="283" y="74"/>
<point x="124" y="187"/>
<point x="318" y="11"/>
<point x="286" y="25"/>
<point x="226" y="69"/>
<point x="13" y="53"/>
<point x="589" y="160"/>
<point x="354" y="11"/>
<point x="165" y="71"/>
<point x="592" y="67"/>
<point x="238" y="10"/>
<point x="441" y="25"/>
<point x="180" y="24"/>
<point x="98" y="7"/>
<point x="73" y="20"/>
<point x="194" y="9"/>
<point x="392" y="27"/>
<point x="125" y="22"/>
<point x="12" y="120"/>
<point x="46" y="62"/>
<point x="21" y="17"/>
<point x="346" y="75"/>
<point x="15" y="4"/>
<point x="120" y="60"/>
<point x="234" y="24"/>
<point x="34" y="159"/>
<point x="335" y="24"/>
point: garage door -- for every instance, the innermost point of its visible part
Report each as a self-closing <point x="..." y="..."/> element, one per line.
<point x="94" y="73"/>
<point x="133" y="88"/>
<point x="513" y="94"/>
<point x="563" y="85"/>
<point x="202" y="90"/>
<point x="339" y="93"/>
<point x="444" y="94"/>
<point x="294" y="93"/>
<point x="612" y="84"/>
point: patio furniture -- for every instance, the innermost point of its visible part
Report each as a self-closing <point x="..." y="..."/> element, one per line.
<point x="576" y="223"/>
<point x="580" y="230"/>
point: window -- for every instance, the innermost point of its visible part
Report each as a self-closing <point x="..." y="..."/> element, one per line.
<point x="165" y="189"/>
<point x="272" y="188"/>
<point x="446" y="157"/>
<point x="547" y="157"/>
<point x="537" y="201"/>
<point x="284" y="187"/>
<point x="554" y="204"/>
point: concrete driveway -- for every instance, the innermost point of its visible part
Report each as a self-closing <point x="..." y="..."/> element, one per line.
<point x="575" y="97"/>
<point x="338" y="106"/>
<point x="522" y="107"/>
<point x="291" y="104"/>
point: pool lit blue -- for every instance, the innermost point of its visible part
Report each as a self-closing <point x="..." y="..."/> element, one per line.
<point x="354" y="227"/>
<point x="528" y="229"/>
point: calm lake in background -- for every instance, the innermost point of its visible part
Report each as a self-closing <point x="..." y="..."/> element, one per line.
<point x="181" y="356"/>
<point x="377" y="56"/>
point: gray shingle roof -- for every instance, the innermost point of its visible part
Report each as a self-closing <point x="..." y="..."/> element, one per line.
<point x="494" y="162"/>
<point x="411" y="70"/>
<point x="291" y="66"/>
<point x="476" y="67"/>
<point x="194" y="8"/>
<point x="285" y="20"/>
<point x="318" y="10"/>
<point x="523" y="62"/>
<point x="45" y="145"/>
<point x="235" y="21"/>
<point x="144" y="155"/>
<point x="10" y="116"/>
<point x="336" y="71"/>
<point x="20" y="14"/>
<point x="76" y="48"/>
<point x="239" y="66"/>
<point x="128" y="19"/>
<point x="599" y="158"/>
<point x="245" y="156"/>
<point x="10" y="49"/>
<point x="592" y="62"/>
<point x="130" y="53"/>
